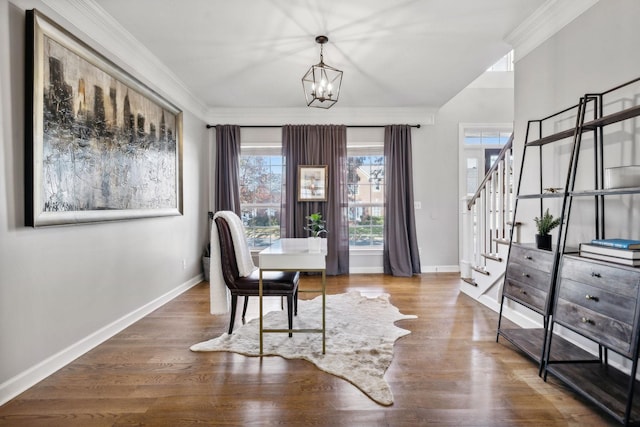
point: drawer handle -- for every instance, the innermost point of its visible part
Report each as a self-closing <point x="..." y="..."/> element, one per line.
<point x="594" y="274"/>
<point x="528" y="257"/>
<point x="523" y="292"/>
<point x="589" y="321"/>
<point x="525" y="275"/>
<point x="592" y="298"/>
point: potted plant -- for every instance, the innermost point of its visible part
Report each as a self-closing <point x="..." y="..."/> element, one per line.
<point x="316" y="226"/>
<point x="545" y="225"/>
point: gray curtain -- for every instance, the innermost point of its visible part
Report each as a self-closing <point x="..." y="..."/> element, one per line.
<point x="400" y="253"/>
<point x="318" y="145"/>
<point x="227" y="197"/>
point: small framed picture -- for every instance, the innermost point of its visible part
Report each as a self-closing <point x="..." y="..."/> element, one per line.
<point x="312" y="183"/>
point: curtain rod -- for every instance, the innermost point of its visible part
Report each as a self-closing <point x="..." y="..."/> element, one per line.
<point x="279" y="126"/>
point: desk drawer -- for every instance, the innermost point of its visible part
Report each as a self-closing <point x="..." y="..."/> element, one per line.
<point x="532" y="257"/>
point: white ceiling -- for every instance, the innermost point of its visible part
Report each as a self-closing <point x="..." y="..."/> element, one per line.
<point x="253" y="53"/>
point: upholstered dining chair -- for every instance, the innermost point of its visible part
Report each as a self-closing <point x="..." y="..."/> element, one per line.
<point x="274" y="283"/>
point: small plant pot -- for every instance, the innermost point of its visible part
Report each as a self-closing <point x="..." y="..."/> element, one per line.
<point x="314" y="244"/>
<point x="543" y="241"/>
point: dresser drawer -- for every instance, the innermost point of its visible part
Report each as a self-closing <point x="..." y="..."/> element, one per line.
<point x="600" y="301"/>
<point x="602" y="329"/>
<point x="525" y="294"/>
<point x="532" y="257"/>
<point x="620" y="280"/>
<point x="529" y="276"/>
<point x="617" y="306"/>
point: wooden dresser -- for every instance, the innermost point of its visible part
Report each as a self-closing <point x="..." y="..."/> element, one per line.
<point x="528" y="276"/>
<point x="600" y="301"/>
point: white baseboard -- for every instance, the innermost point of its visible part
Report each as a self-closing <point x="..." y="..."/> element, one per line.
<point x="366" y="270"/>
<point x="424" y="269"/>
<point x="519" y="318"/>
<point x="23" y="381"/>
<point x="440" y="269"/>
<point x="489" y="302"/>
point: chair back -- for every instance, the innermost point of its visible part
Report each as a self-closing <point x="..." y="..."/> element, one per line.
<point x="227" y="254"/>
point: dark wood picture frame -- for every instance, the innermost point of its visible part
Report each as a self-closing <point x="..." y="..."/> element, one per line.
<point x="99" y="144"/>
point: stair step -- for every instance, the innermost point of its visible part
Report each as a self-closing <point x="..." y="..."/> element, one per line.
<point x="470" y="281"/>
<point x="480" y="269"/>
<point x="517" y="223"/>
<point x="501" y="241"/>
<point x="494" y="257"/>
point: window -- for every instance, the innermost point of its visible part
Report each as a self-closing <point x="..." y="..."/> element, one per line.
<point x="472" y="175"/>
<point x="481" y="144"/>
<point x="365" y="187"/>
<point x="485" y="136"/>
<point x="504" y="64"/>
<point x="262" y="169"/>
<point x="261" y="180"/>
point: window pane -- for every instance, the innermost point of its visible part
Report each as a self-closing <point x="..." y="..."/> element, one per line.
<point x="262" y="225"/>
<point x="488" y="136"/>
<point x="472" y="175"/>
<point x="261" y="179"/>
<point x="366" y="198"/>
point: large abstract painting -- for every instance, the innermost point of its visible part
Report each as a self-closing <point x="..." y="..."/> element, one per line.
<point x="100" y="145"/>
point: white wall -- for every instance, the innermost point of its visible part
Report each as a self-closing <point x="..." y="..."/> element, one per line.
<point x="64" y="289"/>
<point x="595" y="52"/>
<point x="436" y="165"/>
<point x="371" y="261"/>
<point x="435" y="158"/>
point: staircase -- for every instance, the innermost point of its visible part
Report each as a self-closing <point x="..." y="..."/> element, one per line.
<point x="486" y="227"/>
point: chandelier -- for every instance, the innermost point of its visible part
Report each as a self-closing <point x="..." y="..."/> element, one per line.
<point x="321" y="83"/>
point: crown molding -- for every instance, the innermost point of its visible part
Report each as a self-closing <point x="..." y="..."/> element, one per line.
<point x="128" y="52"/>
<point x="305" y="115"/>
<point x="546" y="21"/>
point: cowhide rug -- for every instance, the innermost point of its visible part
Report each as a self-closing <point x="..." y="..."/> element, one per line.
<point x="360" y="336"/>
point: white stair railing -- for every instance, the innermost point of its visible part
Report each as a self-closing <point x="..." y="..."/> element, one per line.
<point x="487" y="216"/>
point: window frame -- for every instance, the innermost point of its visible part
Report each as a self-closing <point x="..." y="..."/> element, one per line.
<point x="257" y="233"/>
<point x="371" y="150"/>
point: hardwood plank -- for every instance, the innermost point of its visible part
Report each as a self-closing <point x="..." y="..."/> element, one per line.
<point x="448" y="371"/>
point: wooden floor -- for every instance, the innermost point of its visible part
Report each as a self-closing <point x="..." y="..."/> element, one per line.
<point x="448" y="372"/>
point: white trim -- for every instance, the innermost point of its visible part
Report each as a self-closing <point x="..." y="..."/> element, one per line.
<point x="440" y="269"/>
<point x="517" y="317"/>
<point x="546" y="21"/>
<point x="91" y="19"/>
<point x="305" y="115"/>
<point x="26" y="379"/>
<point x="366" y="270"/>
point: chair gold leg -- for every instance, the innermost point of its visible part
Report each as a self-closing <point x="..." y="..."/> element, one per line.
<point x="324" y="304"/>
<point x="260" y="297"/>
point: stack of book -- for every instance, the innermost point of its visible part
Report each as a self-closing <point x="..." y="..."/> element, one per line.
<point x="621" y="251"/>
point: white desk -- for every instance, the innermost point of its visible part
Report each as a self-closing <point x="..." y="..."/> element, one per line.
<point x="294" y="255"/>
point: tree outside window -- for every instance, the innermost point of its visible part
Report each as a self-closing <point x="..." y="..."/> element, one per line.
<point x="261" y="179"/>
